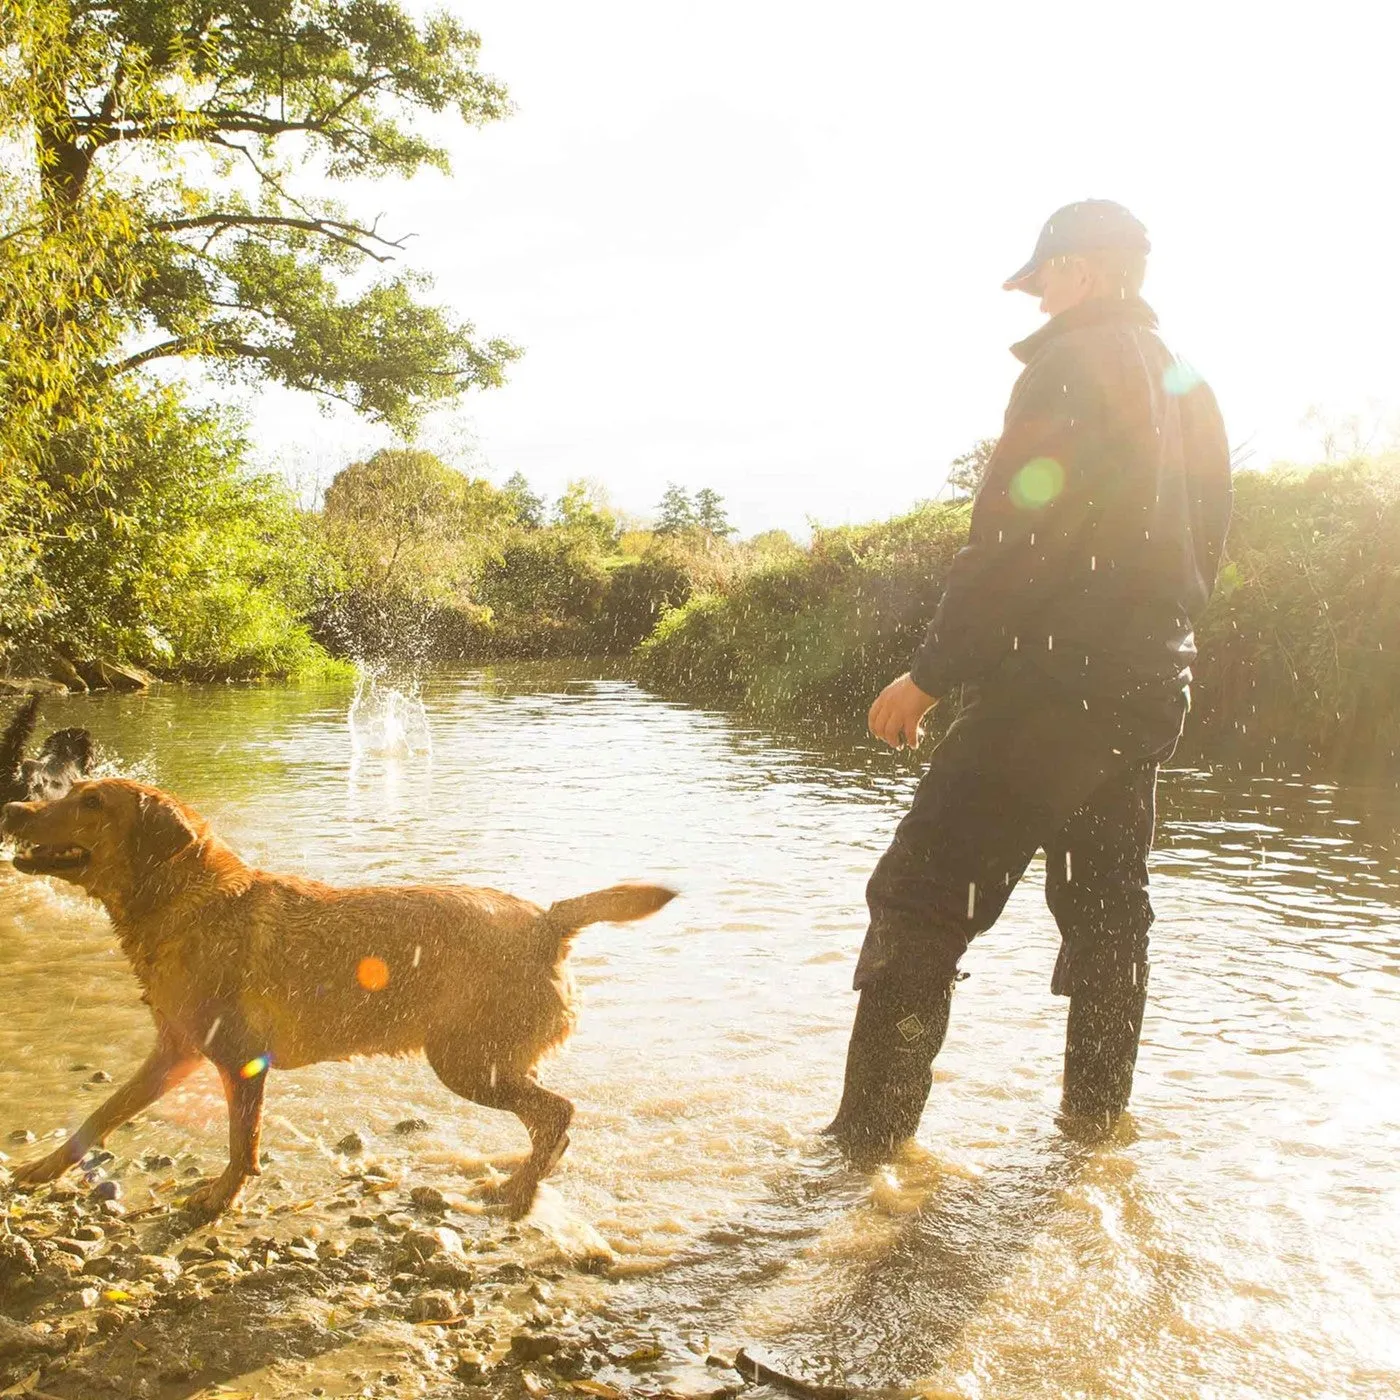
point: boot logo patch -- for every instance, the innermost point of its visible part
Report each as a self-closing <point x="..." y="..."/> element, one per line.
<point x="911" y="1028"/>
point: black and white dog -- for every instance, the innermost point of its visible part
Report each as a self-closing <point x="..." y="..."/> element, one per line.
<point x="63" y="758"/>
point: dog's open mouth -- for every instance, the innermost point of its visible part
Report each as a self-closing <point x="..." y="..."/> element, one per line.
<point x="31" y="859"/>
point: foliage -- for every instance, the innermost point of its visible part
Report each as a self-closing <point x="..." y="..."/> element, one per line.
<point x="965" y="472"/>
<point x="584" y="513"/>
<point x="676" y="513"/>
<point x="184" y="124"/>
<point x="529" y="507"/>
<point x="172" y="555"/>
<point x="710" y="515"/>
<point x="1300" y="648"/>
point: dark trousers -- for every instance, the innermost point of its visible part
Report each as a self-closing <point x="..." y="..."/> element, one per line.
<point x="1008" y="781"/>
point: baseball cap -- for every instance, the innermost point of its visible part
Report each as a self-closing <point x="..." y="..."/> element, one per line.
<point x="1089" y="226"/>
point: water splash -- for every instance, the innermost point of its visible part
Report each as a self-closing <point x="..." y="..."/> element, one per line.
<point x="387" y="721"/>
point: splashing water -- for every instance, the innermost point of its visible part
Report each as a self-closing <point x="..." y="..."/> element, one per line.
<point x="387" y="721"/>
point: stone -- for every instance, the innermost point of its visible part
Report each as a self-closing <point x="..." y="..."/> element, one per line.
<point x="427" y="1244"/>
<point x="100" y="1076"/>
<point x="88" y="1233"/>
<point x="360" y="1222"/>
<point x="17" y="1340"/>
<point x="160" y="1268"/>
<point x="410" y="1125"/>
<point x="107" y="1191"/>
<point x="435" y="1305"/>
<point x="21" y="1137"/>
<point x="428" y="1198"/>
<point x="18" y="1262"/>
<point x="350" y="1145"/>
<point x="532" y="1346"/>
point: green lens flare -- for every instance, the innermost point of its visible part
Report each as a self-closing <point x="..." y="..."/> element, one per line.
<point x="1180" y="378"/>
<point x="1038" y="483"/>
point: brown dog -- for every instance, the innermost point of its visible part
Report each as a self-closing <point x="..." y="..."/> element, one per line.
<point x="256" y="971"/>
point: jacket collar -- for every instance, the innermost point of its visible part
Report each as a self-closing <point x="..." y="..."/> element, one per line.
<point x="1098" y="311"/>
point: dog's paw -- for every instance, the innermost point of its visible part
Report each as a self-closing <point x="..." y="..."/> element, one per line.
<point x="214" y="1197"/>
<point x="44" y="1170"/>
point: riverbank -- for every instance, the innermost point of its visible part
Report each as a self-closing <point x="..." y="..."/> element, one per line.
<point x="107" y="1289"/>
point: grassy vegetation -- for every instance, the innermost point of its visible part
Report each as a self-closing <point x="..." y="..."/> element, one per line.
<point x="1300" y="647"/>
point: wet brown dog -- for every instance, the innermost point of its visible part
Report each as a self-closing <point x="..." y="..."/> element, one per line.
<point x="255" y="971"/>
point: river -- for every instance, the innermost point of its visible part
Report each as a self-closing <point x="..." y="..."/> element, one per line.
<point x="1238" y="1238"/>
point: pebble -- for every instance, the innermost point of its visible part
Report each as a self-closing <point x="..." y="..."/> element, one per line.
<point x="411" y="1125"/>
<point x="158" y="1267"/>
<point x="107" y="1191"/>
<point x="351" y="1144"/>
<point x="425" y="1244"/>
<point x="432" y="1306"/>
<point x="428" y="1198"/>
<point x="99" y="1077"/>
<point x="360" y="1222"/>
<point x="21" y="1136"/>
<point x="156" y="1162"/>
<point x="89" y="1232"/>
<point x="531" y="1346"/>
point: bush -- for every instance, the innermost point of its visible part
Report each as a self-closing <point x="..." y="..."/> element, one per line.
<point x="152" y="543"/>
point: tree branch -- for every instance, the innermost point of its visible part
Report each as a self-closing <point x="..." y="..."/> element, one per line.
<point x="335" y="229"/>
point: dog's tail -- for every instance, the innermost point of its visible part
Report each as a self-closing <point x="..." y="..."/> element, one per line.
<point x="16" y="736"/>
<point x="618" y="904"/>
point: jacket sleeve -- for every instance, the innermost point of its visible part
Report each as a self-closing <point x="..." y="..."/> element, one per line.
<point x="1028" y="520"/>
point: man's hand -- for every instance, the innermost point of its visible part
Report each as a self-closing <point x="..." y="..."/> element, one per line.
<point x="897" y="716"/>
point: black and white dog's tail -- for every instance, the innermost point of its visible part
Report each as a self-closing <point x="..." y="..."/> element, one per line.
<point x="16" y="736"/>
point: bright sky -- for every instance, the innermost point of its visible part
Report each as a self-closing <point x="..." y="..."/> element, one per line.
<point x="759" y="246"/>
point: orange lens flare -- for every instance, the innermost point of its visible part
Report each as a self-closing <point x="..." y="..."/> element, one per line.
<point x="372" y="974"/>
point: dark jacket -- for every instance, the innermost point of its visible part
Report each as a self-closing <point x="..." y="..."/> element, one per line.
<point x="1097" y="531"/>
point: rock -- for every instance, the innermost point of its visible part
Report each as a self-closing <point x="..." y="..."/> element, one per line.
<point x="62" y="670"/>
<point x="156" y="1162"/>
<point x="81" y="1249"/>
<point x="214" y="1269"/>
<point x="105" y="674"/>
<point x="419" y="1245"/>
<point x="428" y="1198"/>
<point x="411" y="1125"/>
<point x="18" y="1262"/>
<point x="446" y="1271"/>
<point x="360" y="1222"/>
<point x="471" y="1367"/>
<point x="432" y="1306"/>
<point x="100" y="1076"/>
<point x="17" y="1340"/>
<point x="107" y="1191"/>
<point x="195" y="1254"/>
<point x="350" y="1145"/>
<point x="160" y="1268"/>
<point x="532" y="1346"/>
<point x="21" y="1137"/>
<point x="31" y="685"/>
<point x="88" y="1233"/>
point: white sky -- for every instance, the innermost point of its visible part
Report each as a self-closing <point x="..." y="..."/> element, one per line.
<point x="759" y="246"/>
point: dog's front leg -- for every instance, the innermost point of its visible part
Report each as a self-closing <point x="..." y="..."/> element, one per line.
<point x="172" y="1060"/>
<point x="244" y="1095"/>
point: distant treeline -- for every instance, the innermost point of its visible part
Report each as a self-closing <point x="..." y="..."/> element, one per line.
<point x="211" y="573"/>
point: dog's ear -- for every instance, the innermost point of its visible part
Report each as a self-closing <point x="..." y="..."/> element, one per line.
<point x="162" y="829"/>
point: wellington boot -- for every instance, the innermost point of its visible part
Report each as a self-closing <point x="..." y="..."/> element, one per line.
<point x="899" y="1028"/>
<point x="1101" y="1045"/>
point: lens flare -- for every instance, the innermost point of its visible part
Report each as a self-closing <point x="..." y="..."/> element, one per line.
<point x="372" y="974"/>
<point x="1038" y="483"/>
<point x="1180" y="378"/>
<point x="256" y="1066"/>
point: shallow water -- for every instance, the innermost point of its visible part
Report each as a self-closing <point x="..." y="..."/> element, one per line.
<point x="1238" y="1240"/>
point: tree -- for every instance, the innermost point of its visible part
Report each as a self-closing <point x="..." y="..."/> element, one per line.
<point x="676" y="513"/>
<point x="404" y="523"/>
<point x="175" y="127"/>
<point x="584" y="513"/>
<point x="709" y="513"/>
<point x="529" y="508"/>
<point x="965" y="472"/>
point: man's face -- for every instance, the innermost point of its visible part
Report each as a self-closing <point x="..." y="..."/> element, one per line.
<point x="1062" y="283"/>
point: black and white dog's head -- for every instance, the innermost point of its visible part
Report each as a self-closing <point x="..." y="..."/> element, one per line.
<point x="63" y="758"/>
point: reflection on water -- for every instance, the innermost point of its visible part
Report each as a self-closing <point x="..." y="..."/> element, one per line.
<point x="1237" y="1241"/>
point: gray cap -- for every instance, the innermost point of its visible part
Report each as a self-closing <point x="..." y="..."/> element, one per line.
<point x="1090" y="226"/>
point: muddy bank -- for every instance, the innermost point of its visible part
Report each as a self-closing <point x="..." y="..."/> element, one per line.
<point x="108" y="1288"/>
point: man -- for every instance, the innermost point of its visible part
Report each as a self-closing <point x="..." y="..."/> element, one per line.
<point x="1067" y="620"/>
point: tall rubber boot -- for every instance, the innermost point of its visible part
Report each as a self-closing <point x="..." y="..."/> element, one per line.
<point x="899" y="1028"/>
<point x="1101" y="1045"/>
